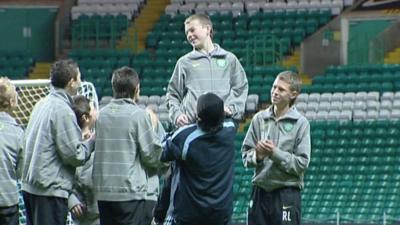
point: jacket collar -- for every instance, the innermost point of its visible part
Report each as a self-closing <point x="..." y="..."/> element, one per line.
<point x="123" y="100"/>
<point x="5" y="117"/>
<point x="62" y="94"/>
<point x="292" y="113"/>
<point x="218" y="52"/>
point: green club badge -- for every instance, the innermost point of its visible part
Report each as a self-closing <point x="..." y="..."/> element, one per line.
<point x="288" y="127"/>
<point x="114" y="109"/>
<point x="2" y="126"/>
<point x="221" y="62"/>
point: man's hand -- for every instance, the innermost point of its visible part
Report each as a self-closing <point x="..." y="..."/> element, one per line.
<point x="227" y="111"/>
<point x="264" y="148"/>
<point x="78" y="210"/>
<point x="87" y="135"/>
<point x="153" y="118"/>
<point x="182" y="120"/>
<point x="153" y="222"/>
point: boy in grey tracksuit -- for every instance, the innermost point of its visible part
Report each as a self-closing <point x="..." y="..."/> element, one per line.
<point x="83" y="195"/>
<point x="278" y="145"/>
<point x="81" y="201"/>
<point x="53" y="149"/>
<point x="11" y="135"/>
<point x="208" y="68"/>
<point x="127" y="158"/>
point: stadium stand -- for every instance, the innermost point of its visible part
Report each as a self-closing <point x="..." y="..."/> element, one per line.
<point x="15" y="64"/>
<point x="354" y="109"/>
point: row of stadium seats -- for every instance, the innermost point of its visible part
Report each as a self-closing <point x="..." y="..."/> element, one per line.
<point x="126" y="8"/>
<point x="381" y="78"/>
<point x="348" y="96"/>
<point x="362" y="68"/>
<point x="356" y="115"/>
<point x="384" y="76"/>
<point x="237" y="8"/>
<point x="105" y="59"/>
<point x="96" y="2"/>
<point x="100" y="27"/>
<point x="100" y="53"/>
<point x="335" y="6"/>
<point x="348" y="106"/>
<point x="15" y="65"/>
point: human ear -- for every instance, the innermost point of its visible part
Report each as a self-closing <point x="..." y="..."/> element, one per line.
<point x="294" y="94"/>
<point x="14" y="102"/>
<point x="85" y="118"/>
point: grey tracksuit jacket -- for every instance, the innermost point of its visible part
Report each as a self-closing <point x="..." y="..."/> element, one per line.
<point x="53" y="147"/>
<point x="11" y="136"/>
<point x="127" y="155"/>
<point x="286" y="166"/>
<point x="196" y="73"/>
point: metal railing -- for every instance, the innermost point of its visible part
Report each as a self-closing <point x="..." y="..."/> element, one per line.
<point x="263" y="50"/>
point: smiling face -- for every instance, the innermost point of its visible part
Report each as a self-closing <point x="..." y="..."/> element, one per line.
<point x="285" y="89"/>
<point x="197" y="33"/>
<point x="280" y="93"/>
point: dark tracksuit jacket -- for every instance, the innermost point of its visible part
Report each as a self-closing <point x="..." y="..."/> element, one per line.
<point x="202" y="182"/>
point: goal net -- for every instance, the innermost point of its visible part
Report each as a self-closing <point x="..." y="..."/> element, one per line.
<point x="29" y="93"/>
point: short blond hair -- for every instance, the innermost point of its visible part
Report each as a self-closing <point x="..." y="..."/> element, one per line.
<point x="294" y="81"/>
<point x="7" y="93"/>
<point x="203" y="19"/>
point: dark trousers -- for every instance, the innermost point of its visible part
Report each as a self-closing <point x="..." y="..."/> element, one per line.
<point x="161" y="207"/>
<point x="278" y="207"/>
<point x="199" y="221"/>
<point x="45" y="210"/>
<point x="137" y="212"/>
<point x="9" y="215"/>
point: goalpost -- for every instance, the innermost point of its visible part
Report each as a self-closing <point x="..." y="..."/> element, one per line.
<point x="29" y="93"/>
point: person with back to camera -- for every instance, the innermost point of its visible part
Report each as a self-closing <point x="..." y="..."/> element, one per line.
<point x="128" y="150"/>
<point x="81" y="201"/>
<point x="202" y="180"/>
<point x="208" y="68"/>
<point x="54" y="147"/>
<point x="277" y="145"/>
<point x="11" y="136"/>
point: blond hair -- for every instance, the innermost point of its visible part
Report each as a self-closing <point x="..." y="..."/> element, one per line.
<point x="203" y="19"/>
<point x="7" y="93"/>
<point x="293" y="80"/>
